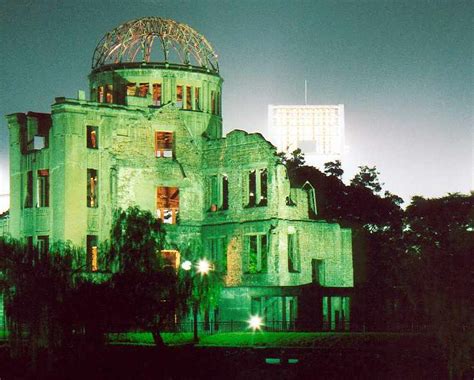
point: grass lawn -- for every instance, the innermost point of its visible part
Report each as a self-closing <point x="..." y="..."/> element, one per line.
<point x="283" y="339"/>
<point x="145" y="338"/>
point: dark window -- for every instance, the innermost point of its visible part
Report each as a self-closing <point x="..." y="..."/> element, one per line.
<point x="43" y="188"/>
<point x="143" y="90"/>
<point x="92" y="188"/>
<point x="92" y="253"/>
<point x="179" y="96"/>
<point x="214" y="193"/>
<point x="100" y="94"/>
<point x="219" y="192"/>
<point x="197" y="105"/>
<point x="293" y="258"/>
<point x="189" y="104"/>
<point x="29" y="190"/>
<point x="225" y="193"/>
<point x="252" y="188"/>
<point x="263" y="188"/>
<point x="218" y="253"/>
<point x="42" y="243"/>
<point x="109" y="97"/>
<point x="257" y="188"/>
<point x="167" y="204"/>
<point x="317" y="271"/>
<point x="92" y="137"/>
<point x="157" y="94"/>
<point x="256" y="305"/>
<point x="257" y="254"/>
<point x="213" y="102"/>
<point x="163" y="144"/>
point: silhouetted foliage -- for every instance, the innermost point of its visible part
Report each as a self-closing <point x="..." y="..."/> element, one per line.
<point x="367" y="177"/>
<point x="38" y="290"/>
<point x="333" y="168"/>
<point x="439" y="262"/>
<point x="145" y="294"/>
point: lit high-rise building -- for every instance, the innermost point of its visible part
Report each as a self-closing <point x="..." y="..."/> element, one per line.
<point x="318" y="130"/>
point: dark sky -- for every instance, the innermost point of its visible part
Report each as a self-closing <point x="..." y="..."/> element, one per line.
<point x="403" y="70"/>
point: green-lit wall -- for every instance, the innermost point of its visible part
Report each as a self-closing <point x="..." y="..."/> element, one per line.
<point x="129" y="174"/>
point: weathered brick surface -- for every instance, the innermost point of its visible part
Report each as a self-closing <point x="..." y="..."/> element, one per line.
<point x="129" y="174"/>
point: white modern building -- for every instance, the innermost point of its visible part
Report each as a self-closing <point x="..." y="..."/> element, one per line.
<point x="318" y="130"/>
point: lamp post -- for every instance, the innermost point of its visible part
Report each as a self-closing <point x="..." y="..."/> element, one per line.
<point x="202" y="268"/>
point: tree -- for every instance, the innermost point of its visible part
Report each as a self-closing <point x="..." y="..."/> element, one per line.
<point x="333" y="169"/>
<point x="367" y="177"/>
<point x="439" y="243"/>
<point x="38" y="287"/>
<point x="376" y="224"/>
<point x="293" y="160"/>
<point x="145" y="293"/>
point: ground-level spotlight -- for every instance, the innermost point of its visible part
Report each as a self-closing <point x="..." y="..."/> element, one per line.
<point x="186" y="265"/>
<point x="255" y="322"/>
<point x="203" y="266"/>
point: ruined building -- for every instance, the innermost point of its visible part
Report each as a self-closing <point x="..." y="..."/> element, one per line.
<point x="151" y="135"/>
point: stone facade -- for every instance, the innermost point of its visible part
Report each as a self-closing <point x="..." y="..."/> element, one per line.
<point x="151" y="135"/>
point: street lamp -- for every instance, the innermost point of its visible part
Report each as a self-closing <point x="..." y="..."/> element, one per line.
<point x="203" y="267"/>
<point x="187" y="265"/>
<point x="255" y="322"/>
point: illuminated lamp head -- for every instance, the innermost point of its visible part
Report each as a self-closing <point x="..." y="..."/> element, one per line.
<point x="186" y="265"/>
<point x="255" y="322"/>
<point x="203" y="267"/>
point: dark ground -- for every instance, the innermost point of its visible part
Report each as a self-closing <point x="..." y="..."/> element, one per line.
<point x="188" y="362"/>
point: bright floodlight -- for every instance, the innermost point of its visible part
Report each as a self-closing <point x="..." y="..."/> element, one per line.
<point x="186" y="265"/>
<point x="203" y="266"/>
<point x="255" y="322"/>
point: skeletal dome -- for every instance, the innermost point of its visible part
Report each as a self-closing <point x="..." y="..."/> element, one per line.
<point x="155" y="39"/>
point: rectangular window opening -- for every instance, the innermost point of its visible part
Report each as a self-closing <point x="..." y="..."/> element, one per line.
<point x="214" y="183"/>
<point x="92" y="137"/>
<point x="218" y="253"/>
<point x="42" y="242"/>
<point x="100" y="94"/>
<point x="293" y="258"/>
<point x="257" y="254"/>
<point x="29" y="190"/>
<point x="263" y="188"/>
<point x="92" y="188"/>
<point x="225" y="193"/>
<point x="157" y="94"/>
<point x="131" y="89"/>
<point x="252" y="188"/>
<point x="171" y="258"/>
<point x="167" y="204"/>
<point x="213" y="102"/>
<point x="179" y="96"/>
<point x="143" y="90"/>
<point x="197" y="103"/>
<point x="109" y="97"/>
<point x="164" y="144"/>
<point x="92" y="253"/>
<point x="317" y="271"/>
<point x="43" y="188"/>
<point x="189" y="104"/>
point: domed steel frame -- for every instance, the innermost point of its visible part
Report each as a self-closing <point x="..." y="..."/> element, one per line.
<point x="124" y="43"/>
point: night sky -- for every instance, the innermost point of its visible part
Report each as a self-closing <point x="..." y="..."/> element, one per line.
<point x="403" y="70"/>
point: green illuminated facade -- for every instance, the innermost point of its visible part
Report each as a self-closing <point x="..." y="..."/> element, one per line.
<point x="151" y="135"/>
